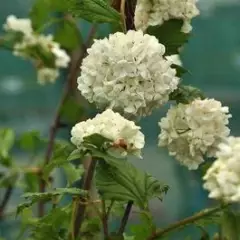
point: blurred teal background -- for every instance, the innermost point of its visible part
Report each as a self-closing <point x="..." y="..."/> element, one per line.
<point x="213" y="59"/>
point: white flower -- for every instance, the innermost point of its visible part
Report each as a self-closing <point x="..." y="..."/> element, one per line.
<point x="111" y="125"/>
<point x="62" y="59"/>
<point x="222" y="179"/>
<point x="47" y="75"/>
<point x="156" y="12"/>
<point x="192" y="131"/>
<point x="46" y="45"/>
<point x="38" y="48"/>
<point x="127" y="72"/>
<point x="23" y="25"/>
<point x="174" y="59"/>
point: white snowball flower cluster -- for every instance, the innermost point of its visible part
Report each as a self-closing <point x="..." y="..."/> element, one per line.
<point x="123" y="133"/>
<point x="192" y="131"/>
<point x="127" y="72"/>
<point x="222" y="179"/>
<point x="156" y="12"/>
<point x="42" y="50"/>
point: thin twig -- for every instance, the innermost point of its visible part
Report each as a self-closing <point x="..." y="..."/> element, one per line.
<point x="129" y="13"/>
<point x="105" y="220"/>
<point x="182" y="223"/>
<point x="53" y="132"/>
<point x="5" y="200"/>
<point x="125" y="217"/>
<point x="109" y="208"/>
<point x="73" y="72"/>
<point x="122" y="11"/>
<point x="81" y="208"/>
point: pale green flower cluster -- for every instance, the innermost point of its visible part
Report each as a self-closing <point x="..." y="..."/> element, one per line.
<point x="45" y="53"/>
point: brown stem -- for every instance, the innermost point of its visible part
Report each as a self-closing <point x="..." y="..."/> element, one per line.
<point x="182" y="223"/>
<point x="128" y="11"/>
<point x="105" y="220"/>
<point x="5" y="200"/>
<point x="52" y="135"/>
<point x="73" y="73"/>
<point x="125" y="218"/>
<point x="81" y="208"/>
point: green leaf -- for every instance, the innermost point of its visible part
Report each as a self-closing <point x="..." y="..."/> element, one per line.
<point x="170" y="35"/>
<point x="186" y="94"/>
<point x="75" y="154"/>
<point x="61" y="159"/>
<point x="51" y="226"/>
<point x="9" y="178"/>
<point x="47" y="196"/>
<point x="69" y="38"/>
<point x="9" y="39"/>
<point x="180" y="70"/>
<point x="55" y="163"/>
<point x="143" y="230"/>
<point x="91" y="227"/>
<point x="72" y="173"/>
<point x="42" y="11"/>
<point x="96" y="11"/>
<point x="126" y="237"/>
<point x="7" y="138"/>
<point x="62" y="149"/>
<point x="230" y="226"/>
<point x="30" y="141"/>
<point x="27" y="220"/>
<point x="71" y="111"/>
<point x="140" y="231"/>
<point x="212" y="219"/>
<point x="117" y="209"/>
<point x="6" y="161"/>
<point x="96" y="140"/>
<point x="22" y="206"/>
<point x="120" y="180"/>
<point x="31" y="181"/>
<point x="116" y="236"/>
<point x="204" y="167"/>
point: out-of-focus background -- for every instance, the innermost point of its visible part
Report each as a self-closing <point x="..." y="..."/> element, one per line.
<point x="212" y="57"/>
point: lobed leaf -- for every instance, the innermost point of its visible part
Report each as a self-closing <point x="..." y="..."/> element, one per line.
<point x="69" y="38"/>
<point x="230" y="225"/>
<point x="47" y="196"/>
<point x="30" y="141"/>
<point x="7" y="138"/>
<point x="186" y="94"/>
<point x="170" y="35"/>
<point x="117" y="179"/>
<point x="96" y="11"/>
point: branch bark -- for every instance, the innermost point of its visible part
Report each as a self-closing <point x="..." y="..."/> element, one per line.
<point x="81" y="208"/>
<point x="186" y="221"/>
<point x="105" y="220"/>
<point x="129" y="11"/>
<point x="5" y="200"/>
<point x="72" y="76"/>
<point x="125" y="218"/>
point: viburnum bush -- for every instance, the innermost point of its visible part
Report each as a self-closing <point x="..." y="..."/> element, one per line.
<point x="127" y="75"/>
